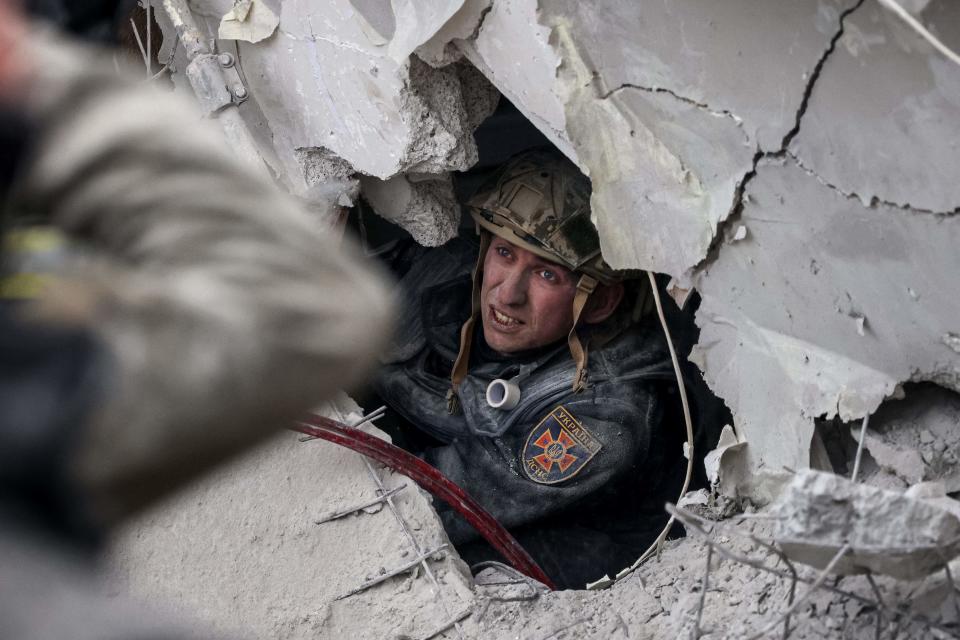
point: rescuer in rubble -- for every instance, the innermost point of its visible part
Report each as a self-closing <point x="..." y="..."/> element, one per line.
<point x="173" y="309"/>
<point x="542" y="383"/>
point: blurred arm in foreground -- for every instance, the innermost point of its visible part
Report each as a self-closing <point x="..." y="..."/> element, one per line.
<point x="221" y="310"/>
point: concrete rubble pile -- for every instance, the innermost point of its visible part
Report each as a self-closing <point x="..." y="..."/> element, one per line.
<point x="795" y="163"/>
<point x="819" y="515"/>
<point x="910" y="440"/>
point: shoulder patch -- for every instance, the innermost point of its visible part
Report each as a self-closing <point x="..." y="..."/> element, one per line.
<point x="558" y="448"/>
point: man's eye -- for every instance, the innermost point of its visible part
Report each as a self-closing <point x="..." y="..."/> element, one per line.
<point x="503" y="252"/>
<point x="548" y="275"/>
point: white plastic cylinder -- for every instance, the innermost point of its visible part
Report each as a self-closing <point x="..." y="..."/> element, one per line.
<point x="503" y="394"/>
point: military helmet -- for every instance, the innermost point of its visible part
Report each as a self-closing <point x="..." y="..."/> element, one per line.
<point x="541" y="201"/>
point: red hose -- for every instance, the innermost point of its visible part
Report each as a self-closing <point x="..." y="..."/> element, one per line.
<point x="433" y="481"/>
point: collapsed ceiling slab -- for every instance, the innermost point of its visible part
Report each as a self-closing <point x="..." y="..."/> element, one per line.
<point x="512" y="49"/>
<point x="822" y="309"/>
<point x="835" y="296"/>
<point x="668" y="103"/>
<point x="325" y="78"/>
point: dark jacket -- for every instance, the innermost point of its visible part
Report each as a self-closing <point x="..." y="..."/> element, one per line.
<point x="580" y="479"/>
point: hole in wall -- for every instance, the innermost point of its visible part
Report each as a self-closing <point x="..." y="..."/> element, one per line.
<point x="911" y="438"/>
<point x="635" y="514"/>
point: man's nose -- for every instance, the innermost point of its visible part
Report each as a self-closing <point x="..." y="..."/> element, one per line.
<point x="513" y="289"/>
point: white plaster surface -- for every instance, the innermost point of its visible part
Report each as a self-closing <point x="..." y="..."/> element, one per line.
<point x="511" y="48"/>
<point x="667" y="104"/>
<point x="779" y="337"/>
<point x="323" y="80"/>
<point x="881" y="122"/>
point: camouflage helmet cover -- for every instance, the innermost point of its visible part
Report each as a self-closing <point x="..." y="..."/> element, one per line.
<point x="541" y="201"/>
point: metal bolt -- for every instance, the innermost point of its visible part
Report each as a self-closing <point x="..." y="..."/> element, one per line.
<point x="240" y="91"/>
<point x="225" y="60"/>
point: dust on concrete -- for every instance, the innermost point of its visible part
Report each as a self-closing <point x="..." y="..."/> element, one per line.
<point x="242" y="550"/>
<point x="662" y="600"/>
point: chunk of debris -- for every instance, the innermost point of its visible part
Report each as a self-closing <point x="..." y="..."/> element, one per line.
<point x="887" y="532"/>
<point x="916" y="438"/>
<point x="952" y="340"/>
<point x="726" y="465"/>
<point x="861" y="323"/>
<point x="249" y="20"/>
<point x="423" y="204"/>
<point x="905" y="462"/>
<point x="698" y="498"/>
<point x="680" y="291"/>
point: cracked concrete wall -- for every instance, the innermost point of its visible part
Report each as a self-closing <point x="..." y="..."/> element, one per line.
<point x="886" y="83"/>
<point x="837" y="295"/>
<point x="795" y="162"/>
<point x="669" y="130"/>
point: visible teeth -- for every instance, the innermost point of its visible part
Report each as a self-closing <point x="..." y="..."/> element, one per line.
<point x="503" y="319"/>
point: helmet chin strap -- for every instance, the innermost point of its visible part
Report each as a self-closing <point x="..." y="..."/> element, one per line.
<point x="462" y="362"/>
<point x="578" y="349"/>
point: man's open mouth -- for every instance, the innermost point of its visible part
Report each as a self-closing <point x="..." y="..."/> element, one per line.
<point x="502" y="320"/>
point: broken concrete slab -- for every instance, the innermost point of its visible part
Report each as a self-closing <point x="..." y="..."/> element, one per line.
<point x="657" y="162"/>
<point x="935" y="493"/>
<point x="324" y="91"/>
<point x="441" y="49"/>
<point x="747" y="61"/>
<point x="726" y="465"/>
<point x="903" y="155"/>
<point x="889" y="533"/>
<point x="242" y="550"/>
<point x="904" y="462"/>
<point x="917" y="437"/>
<point x="658" y="601"/>
<point x="423" y="204"/>
<point x="668" y="133"/>
<point x="350" y="97"/>
<point x="511" y="49"/>
<point x="778" y="342"/>
<point x="443" y="122"/>
<point x="330" y="181"/>
<point x="661" y="600"/>
<point x="249" y="20"/>
<point x="417" y="22"/>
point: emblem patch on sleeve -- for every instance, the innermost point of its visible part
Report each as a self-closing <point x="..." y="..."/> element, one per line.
<point x="557" y="448"/>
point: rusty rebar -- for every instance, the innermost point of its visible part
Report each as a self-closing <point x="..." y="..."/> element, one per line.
<point x="433" y="481"/>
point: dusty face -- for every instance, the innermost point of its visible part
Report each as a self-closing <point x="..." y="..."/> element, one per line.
<point x="526" y="301"/>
